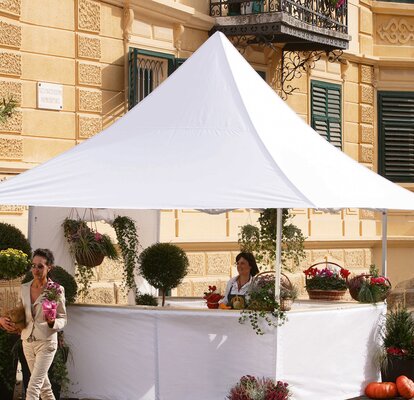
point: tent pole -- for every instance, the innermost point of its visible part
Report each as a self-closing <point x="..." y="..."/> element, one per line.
<point x="384" y="243"/>
<point x="278" y="265"/>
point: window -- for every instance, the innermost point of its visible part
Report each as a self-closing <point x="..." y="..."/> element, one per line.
<point x="326" y="111"/>
<point x="147" y="70"/>
<point x="396" y="136"/>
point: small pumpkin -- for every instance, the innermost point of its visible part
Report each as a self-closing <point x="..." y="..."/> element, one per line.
<point x="381" y="390"/>
<point x="405" y="387"/>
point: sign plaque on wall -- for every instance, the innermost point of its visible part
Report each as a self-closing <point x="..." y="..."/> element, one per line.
<point x="49" y="96"/>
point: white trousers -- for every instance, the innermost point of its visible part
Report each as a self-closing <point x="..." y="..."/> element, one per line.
<point x="39" y="355"/>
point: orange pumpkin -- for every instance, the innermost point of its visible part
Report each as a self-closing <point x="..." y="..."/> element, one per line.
<point x="381" y="390"/>
<point x="405" y="387"/>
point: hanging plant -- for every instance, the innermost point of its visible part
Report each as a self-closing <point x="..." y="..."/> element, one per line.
<point x="88" y="247"/>
<point x="126" y="233"/>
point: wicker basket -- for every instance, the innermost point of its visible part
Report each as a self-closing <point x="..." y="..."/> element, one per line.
<point x="355" y="283"/>
<point x="328" y="295"/>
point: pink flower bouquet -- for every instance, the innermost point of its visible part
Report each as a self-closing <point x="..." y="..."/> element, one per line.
<point x="49" y="308"/>
<point x="51" y="296"/>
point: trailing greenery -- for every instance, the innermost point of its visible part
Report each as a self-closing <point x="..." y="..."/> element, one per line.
<point x="126" y="233"/>
<point x="7" y="108"/>
<point x="64" y="278"/>
<point x="13" y="238"/>
<point x="262" y="306"/>
<point x="86" y="245"/>
<point x="163" y="265"/>
<point x="398" y="334"/>
<point x="146" y="299"/>
<point x="262" y="241"/>
<point x="58" y="371"/>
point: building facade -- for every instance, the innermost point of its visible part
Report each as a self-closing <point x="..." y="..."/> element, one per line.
<point x="100" y="58"/>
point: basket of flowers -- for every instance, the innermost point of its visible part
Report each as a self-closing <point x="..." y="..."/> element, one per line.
<point x="252" y="388"/>
<point x="369" y="288"/>
<point x="328" y="283"/>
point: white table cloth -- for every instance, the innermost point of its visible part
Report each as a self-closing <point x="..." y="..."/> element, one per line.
<point x="130" y="353"/>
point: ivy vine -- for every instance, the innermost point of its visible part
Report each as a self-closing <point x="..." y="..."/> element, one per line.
<point x="126" y="233"/>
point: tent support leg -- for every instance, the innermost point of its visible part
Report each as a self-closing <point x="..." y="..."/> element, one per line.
<point x="278" y="262"/>
<point x="384" y="243"/>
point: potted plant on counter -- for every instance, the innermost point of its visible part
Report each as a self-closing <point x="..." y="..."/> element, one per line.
<point x="212" y="298"/>
<point x="328" y="283"/>
<point x="164" y="266"/>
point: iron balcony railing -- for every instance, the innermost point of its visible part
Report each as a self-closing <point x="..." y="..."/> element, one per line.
<point x="325" y="14"/>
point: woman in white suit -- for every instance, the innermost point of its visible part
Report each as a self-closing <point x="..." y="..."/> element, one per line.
<point x="39" y="337"/>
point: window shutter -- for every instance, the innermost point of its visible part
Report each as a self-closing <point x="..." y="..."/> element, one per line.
<point x="326" y="111"/>
<point x="396" y="135"/>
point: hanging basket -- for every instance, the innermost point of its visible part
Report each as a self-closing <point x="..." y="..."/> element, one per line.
<point x="93" y="259"/>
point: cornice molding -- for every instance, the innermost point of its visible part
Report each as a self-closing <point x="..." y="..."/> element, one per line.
<point x="383" y="7"/>
<point x="168" y="10"/>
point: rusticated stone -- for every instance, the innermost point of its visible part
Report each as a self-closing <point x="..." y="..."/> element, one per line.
<point x="110" y="270"/>
<point x="10" y="35"/>
<point x="89" y="126"/>
<point x="13" y="124"/>
<point x="10" y="63"/>
<point x="367" y="94"/>
<point x="354" y="258"/>
<point x="366" y="153"/>
<point x="367" y="134"/>
<point x="367" y="114"/>
<point x="366" y="214"/>
<point x="197" y="264"/>
<point x="90" y="100"/>
<point x="89" y="47"/>
<point x="100" y="295"/>
<point x="366" y="74"/>
<point x="89" y="74"/>
<point x="218" y="263"/>
<point x="11" y="149"/>
<point x="10" y="6"/>
<point x="184" y="290"/>
<point x="89" y="15"/>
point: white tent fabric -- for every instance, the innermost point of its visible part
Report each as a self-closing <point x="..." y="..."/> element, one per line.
<point x="213" y="136"/>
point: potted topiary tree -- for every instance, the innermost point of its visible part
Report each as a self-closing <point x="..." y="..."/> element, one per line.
<point x="163" y="265"/>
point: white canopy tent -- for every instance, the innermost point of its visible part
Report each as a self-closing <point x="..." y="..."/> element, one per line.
<point x="213" y="136"/>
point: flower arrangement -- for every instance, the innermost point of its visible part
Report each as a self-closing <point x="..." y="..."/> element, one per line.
<point x="262" y="305"/>
<point x="13" y="263"/>
<point x="369" y="288"/>
<point x="252" y="388"/>
<point x="326" y="278"/>
<point x="212" y="298"/>
<point x="51" y="295"/>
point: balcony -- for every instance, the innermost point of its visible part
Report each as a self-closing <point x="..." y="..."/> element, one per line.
<point x="302" y="25"/>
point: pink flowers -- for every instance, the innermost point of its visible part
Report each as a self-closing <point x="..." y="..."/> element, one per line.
<point x="51" y="296"/>
<point x="378" y="281"/>
<point x="250" y="387"/>
<point x="98" y="236"/>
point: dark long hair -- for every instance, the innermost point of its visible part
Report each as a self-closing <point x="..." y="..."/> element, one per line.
<point x="249" y="257"/>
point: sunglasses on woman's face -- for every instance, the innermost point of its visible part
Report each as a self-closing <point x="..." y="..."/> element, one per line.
<point x="38" y="266"/>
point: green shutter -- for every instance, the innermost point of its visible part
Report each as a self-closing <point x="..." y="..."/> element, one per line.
<point x="396" y="135"/>
<point x="326" y="105"/>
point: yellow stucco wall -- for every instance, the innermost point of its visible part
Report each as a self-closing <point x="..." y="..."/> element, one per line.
<point x="82" y="45"/>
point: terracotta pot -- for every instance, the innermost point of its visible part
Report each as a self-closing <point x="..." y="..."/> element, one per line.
<point x="326" y="294"/>
<point x="93" y="261"/>
<point x="212" y="305"/>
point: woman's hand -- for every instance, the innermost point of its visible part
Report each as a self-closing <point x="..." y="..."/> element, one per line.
<point x="50" y="322"/>
<point x="224" y="306"/>
<point x="7" y="324"/>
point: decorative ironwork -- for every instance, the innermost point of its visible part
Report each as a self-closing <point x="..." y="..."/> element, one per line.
<point x="298" y="22"/>
<point x="296" y="63"/>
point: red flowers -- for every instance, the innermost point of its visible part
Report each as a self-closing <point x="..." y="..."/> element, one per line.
<point x="326" y="279"/>
<point x="378" y="281"/>
<point x="395" y="351"/>
<point x="211" y="296"/>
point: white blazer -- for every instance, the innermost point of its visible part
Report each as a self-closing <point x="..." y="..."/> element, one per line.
<point x="36" y="324"/>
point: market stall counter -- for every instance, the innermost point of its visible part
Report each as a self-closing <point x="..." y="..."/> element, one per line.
<point x="324" y="351"/>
